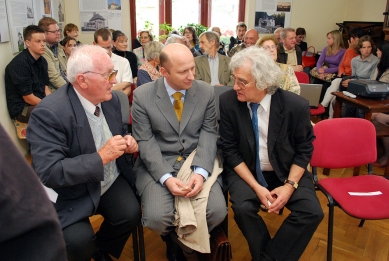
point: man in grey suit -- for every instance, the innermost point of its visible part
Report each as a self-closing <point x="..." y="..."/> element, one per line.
<point x="166" y="138"/>
<point x="212" y="67"/>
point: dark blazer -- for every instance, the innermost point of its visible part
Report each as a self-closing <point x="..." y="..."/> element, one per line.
<point x="282" y="56"/>
<point x="64" y="153"/>
<point x="290" y="134"/>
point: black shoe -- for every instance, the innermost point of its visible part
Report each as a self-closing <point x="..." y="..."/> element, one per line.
<point x="173" y="251"/>
<point x="98" y="255"/>
<point x="266" y="257"/>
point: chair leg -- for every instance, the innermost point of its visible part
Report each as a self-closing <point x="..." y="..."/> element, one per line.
<point x="361" y="223"/>
<point x="135" y="243"/>
<point x="138" y="243"/>
<point x="141" y="243"/>
<point x="330" y="228"/>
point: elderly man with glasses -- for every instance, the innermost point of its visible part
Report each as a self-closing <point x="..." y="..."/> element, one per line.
<point x="54" y="54"/>
<point x="80" y="149"/>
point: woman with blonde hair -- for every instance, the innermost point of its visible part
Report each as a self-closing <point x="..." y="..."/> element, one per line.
<point x="289" y="81"/>
<point x="149" y="70"/>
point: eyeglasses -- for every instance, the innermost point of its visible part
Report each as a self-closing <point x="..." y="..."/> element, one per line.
<point x="54" y="32"/>
<point x="268" y="48"/>
<point x="241" y="85"/>
<point x="110" y="75"/>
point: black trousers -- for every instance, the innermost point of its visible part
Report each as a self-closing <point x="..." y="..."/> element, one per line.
<point x="121" y="212"/>
<point x="295" y="232"/>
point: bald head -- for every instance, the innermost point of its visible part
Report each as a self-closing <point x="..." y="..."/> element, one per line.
<point x="250" y="37"/>
<point x="172" y="52"/>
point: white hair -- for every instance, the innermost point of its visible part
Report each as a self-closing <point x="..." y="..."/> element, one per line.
<point x="174" y="38"/>
<point x="263" y="69"/>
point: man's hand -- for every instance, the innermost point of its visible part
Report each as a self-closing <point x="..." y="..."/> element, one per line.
<point x="113" y="149"/>
<point x="132" y="145"/>
<point x="280" y="196"/>
<point x="298" y="68"/>
<point x="264" y="195"/>
<point x="176" y="187"/>
<point x="345" y="83"/>
<point x="195" y="183"/>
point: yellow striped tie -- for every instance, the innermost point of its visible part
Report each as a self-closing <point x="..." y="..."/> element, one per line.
<point x="178" y="105"/>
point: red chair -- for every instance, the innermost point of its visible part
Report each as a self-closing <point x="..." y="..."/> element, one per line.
<point x="302" y="77"/>
<point x="346" y="143"/>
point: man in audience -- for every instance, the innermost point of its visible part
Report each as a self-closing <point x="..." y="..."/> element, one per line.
<point x="174" y="38"/>
<point x="212" y="68"/>
<point x="277" y="33"/>
<point x="103" y="38"/>
<point x="26" y="77"/>
<point x="250" y="39"/>
<point x="54" y="54"/>
<point x="241" y="29"/>
<point x="29" y="226"/>
<point x="288" y="52"/>
<point x="266" y="140"/>
<point x="172" y="117"/>
<point x="80" y="149"/>
<point x="221" y="48"/>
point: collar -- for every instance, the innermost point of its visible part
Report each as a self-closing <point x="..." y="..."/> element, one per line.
<point x="368" y="59"/>
<point x="170" y="90"/>
<point x="88" y="106"/>
<point x="31" y="58"/>
<point x="265" y="103"/>
<point x="290" y="51"/>
<point x="216" y="58"/>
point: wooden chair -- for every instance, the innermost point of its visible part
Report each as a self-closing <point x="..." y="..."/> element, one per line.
<point x="346" y="143"/>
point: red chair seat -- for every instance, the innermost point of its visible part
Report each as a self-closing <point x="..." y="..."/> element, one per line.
<point x="318" y="111"/>
<point x="362" y="207"/>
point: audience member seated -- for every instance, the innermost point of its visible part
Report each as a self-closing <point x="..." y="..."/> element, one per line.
<point x="86" y="160"/>
<point x="103" y="38"/>
<point x="212" y="67"/>
<point x="149" y="71"/>
<point x="277" y="34"/>
<point x="289" y="80"/>
<point x="172" y="180"/>
<point x="54" y="54"/>
<point x="344" y="69"/>
<point x="144" y="38"/>
<point x="174" y="38"/>
<point x="300" y="36"/>
<point x="363" y="66"/>
<point x="191" y="35"/>
<point x="266" y="139"/>
<point x="221" y="49"/>
<point x="250" y="38"/>
<point x="120" y="44"/>
<point x="68" y="44"/>
<point x="382" y="74"/>
<point x="241" y="29"/>
<point x="72" y="31"/>
<point x="26" y="77"/>
<point x="288" y="52"/>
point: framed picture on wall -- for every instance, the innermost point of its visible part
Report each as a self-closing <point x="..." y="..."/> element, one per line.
<point x="386" y="21"/>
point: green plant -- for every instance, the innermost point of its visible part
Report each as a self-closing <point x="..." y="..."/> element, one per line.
<point x="166" y="29"/>
<point x="198" y="27"/>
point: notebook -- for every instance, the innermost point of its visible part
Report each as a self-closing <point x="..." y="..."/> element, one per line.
<point x="311" y="92"/>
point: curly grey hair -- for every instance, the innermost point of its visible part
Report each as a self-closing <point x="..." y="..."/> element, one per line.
<point x="263" y="69"/>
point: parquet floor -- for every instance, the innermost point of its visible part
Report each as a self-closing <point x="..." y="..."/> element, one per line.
<point x="369" y="243"/>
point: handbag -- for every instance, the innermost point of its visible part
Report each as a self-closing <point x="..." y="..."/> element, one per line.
<point x="309" y="60"/>
<point x="328" y="77"/>
<point x="21" y="129"/>
<point x="220" y="247"/>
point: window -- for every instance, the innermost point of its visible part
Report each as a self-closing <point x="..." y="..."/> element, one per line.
<point x="184" y="12"/>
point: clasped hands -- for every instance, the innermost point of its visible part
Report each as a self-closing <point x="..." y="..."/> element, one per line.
<point x="278" y="197"/>
<point x="191" y="189"/>
<point x="117" y="146"/>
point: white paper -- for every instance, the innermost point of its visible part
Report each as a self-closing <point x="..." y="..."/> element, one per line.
<point x="373" y="193"/>
<point x="51" y="194"/>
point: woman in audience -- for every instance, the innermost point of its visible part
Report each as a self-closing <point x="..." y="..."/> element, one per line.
<point x="69" y="43"/>
<point x="382" y="74"/>
<point x="289" y="82"/>
<point x="149" y="70"/>
<point x="190" y="33"/>
<point x="120" y="44"/>
<point x="344" y="68"/>
<point x="144" y="38"/>
<point x="300" y="36"/>
<point x="71" y="30"/>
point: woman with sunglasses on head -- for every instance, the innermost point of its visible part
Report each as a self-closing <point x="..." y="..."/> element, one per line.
<point x="289" y="82"/>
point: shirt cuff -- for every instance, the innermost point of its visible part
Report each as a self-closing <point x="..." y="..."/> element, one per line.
<point x="201" y="171"/>
<point x="164" y="178"/>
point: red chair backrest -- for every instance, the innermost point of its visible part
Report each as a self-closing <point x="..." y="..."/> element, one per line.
<point x="344" y="143"/>
<point x="302" y="77"/>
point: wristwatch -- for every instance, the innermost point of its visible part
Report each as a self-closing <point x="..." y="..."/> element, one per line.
<point x="294" y="184"/>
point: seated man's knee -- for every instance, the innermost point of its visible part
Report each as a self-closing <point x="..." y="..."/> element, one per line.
<point x="80" y="242"/>
<point x="158" y="220"/>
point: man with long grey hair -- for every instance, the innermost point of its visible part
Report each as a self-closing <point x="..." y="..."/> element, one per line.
<point x="266" y="140"/>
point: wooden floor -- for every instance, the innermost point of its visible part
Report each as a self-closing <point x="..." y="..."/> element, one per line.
<point x="369" y="243"/>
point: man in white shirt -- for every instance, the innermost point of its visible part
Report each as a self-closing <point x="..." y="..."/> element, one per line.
<point x="103" y="38"/>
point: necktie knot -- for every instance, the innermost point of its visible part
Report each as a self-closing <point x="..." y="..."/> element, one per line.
<point x="97" y="111"/>
<point x="177" y="96"/>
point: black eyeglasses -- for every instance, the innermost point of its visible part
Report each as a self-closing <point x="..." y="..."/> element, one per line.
<point x="108" y="76"/>
<point x="54" y="32"/>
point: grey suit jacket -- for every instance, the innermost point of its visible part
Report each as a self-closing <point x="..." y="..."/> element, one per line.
<point x="203" y="71"/>
<point x="162" y="139"/>
<point x="64" y="152"/>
